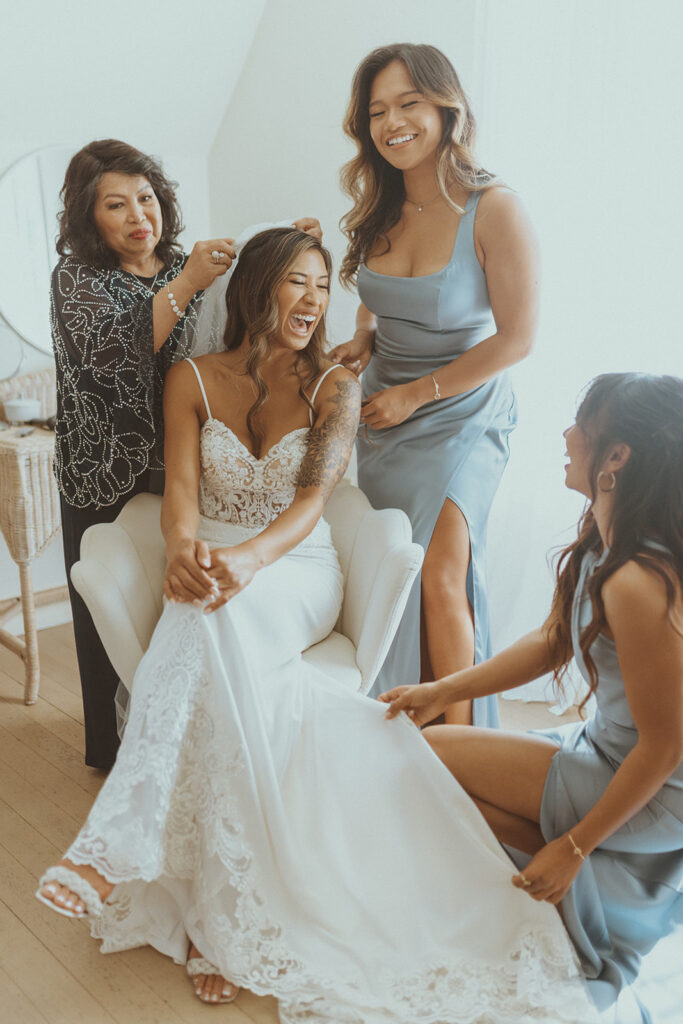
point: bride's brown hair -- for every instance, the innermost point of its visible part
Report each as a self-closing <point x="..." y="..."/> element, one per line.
<point x="644" y="412"/>
<point x="251" y="300"/>
<point x="376" y="187"/>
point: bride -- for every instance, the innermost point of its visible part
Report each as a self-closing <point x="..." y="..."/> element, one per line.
<point x="297" y="842"/>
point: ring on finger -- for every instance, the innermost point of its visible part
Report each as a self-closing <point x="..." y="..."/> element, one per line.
<point x="216" y="256"/>
<point x="525" y="881"/>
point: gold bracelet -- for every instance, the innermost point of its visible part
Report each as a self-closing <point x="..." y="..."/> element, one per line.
<point x="577" y="849"/>
<point x="437" y="393"/>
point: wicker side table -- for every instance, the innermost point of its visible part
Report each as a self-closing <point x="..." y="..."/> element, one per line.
<point x="29" y="519"/>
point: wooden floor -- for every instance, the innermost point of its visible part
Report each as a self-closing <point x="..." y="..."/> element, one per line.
<point x="51" y="971"/>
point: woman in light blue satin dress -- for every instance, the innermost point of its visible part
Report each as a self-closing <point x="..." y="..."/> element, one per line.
<point x="446" y="271"/>
<point x="597" y="808"/>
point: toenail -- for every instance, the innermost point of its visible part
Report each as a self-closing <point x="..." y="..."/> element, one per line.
<point x="52" y="889"/>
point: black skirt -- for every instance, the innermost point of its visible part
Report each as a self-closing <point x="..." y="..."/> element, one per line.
<point x="99" y="681"/>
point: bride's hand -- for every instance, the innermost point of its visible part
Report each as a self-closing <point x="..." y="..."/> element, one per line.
<point x="423" y="703"/>
<point x="187" y="578"/>
<point x="232" y="569"/>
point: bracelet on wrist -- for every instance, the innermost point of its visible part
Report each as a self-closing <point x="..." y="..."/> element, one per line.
<point x="578" y="852"/>
<point x="174" y="305"/>
<point x="437" y="393"/>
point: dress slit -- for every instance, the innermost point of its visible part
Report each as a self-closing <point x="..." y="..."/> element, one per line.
<point x="484" y="710"/>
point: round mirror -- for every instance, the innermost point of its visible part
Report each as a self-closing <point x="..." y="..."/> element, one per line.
<point x="11" y="353"/>
<point x="29" y="203"/>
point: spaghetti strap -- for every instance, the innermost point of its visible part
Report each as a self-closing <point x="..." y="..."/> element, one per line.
<point x="317" y="388"/>
<point x="199" y="379"/>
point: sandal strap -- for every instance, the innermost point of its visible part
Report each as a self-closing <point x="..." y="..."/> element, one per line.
<point x="199" y="965"/>
<point x="76" y="884"/>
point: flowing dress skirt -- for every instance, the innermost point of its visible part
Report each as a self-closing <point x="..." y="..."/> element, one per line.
<point x="629" y="893"/>
<point x="311" y="849"/>
<point x="454" y="450"/>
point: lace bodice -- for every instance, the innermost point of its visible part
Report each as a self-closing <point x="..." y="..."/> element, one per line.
<point x="236" y="487"/>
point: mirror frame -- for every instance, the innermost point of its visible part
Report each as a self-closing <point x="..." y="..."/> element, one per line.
<point x="17" y="340"/>
<point x="47" y="195"/>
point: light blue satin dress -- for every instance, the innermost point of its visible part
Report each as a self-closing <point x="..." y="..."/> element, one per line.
<point x="455" y="448"/>
<point x="629" y="892"/>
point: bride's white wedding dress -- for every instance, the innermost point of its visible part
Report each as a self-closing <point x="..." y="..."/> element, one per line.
<point x="310" y="848"/>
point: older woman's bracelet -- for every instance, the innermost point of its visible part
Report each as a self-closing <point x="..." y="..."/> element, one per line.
<point x="577" y="849"/>
<point x="174" y="305"/>
<point x="437" y="393"/>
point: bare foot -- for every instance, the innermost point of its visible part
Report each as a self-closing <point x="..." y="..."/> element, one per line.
<point x="211" y="988"/>
<point x="63" y="897"/>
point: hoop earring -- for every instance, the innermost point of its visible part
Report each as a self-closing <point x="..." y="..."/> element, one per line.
<point x="606" y="490"/>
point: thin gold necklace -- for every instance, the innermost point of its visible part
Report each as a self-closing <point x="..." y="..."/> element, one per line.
<point x="421" y="206"/>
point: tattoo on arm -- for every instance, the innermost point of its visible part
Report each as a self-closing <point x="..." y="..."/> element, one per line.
<point x="330" y="444"/>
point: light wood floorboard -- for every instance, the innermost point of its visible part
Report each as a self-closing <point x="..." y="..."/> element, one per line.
<point x="52" y="971"/>
<point x="15" y="1005"/>
<point x="52" y="679"/>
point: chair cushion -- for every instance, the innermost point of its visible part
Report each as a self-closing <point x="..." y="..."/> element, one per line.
<point x="336" y="657"/>
<point x="122" y="568"/>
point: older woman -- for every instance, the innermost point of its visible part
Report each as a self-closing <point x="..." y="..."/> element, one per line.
<point x="123" y="297"/>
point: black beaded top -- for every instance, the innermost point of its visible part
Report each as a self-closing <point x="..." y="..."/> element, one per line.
<point x="109" y="381"/>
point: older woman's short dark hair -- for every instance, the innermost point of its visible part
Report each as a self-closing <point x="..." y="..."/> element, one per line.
<point x="78" y="234"/>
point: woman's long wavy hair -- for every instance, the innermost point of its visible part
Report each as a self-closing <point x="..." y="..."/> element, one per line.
<point x="646" y="413"/>
<point x="78" y="234"/>
<point x="377" y="188"/>
<point x="252" y="307"/>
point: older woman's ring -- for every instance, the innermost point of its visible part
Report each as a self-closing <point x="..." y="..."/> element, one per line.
<point x="525" y="881"/>
<point x="216" y="256"/>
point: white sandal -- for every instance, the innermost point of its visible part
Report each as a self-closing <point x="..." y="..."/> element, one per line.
<point x="75" y="883"/>
<point x="199" y="965"/>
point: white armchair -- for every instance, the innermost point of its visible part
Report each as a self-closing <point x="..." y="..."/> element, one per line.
<point x="122" y="564"/>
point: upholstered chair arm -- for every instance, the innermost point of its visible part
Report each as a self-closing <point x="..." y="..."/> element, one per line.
<point x="111" y="580"/>
<point x="383" y="566"/>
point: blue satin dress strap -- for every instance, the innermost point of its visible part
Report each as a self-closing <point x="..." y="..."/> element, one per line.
<point x="453" y="449"/>
<point x="629" y="892"/>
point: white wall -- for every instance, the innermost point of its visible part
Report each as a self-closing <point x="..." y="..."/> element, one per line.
<point x="579" y="113"/>
<point x="280" y="145"/>
<point x="147" y="71"/>
<point x="575" y="101"/>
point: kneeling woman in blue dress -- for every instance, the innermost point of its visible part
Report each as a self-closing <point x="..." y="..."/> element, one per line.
<point x="597" y="806"/>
